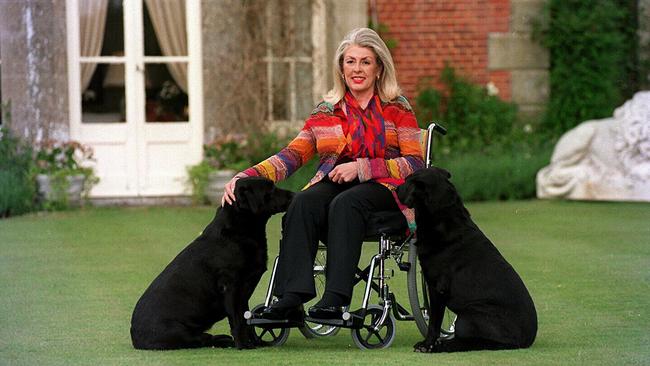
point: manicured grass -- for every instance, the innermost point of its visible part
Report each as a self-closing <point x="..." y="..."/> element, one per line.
<point x="69" y="281"/>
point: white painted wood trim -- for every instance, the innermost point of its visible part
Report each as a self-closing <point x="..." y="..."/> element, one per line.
<point x="195" y="74"/>
<point x="74" y="94"/>
<point x="136" y="135"/>
<point x="102" y="59"/>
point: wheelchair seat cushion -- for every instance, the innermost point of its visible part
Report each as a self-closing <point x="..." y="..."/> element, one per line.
<point x="385" y="222"/>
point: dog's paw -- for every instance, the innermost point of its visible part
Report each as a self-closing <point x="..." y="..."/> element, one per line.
<point x="247" y="345"/>
<point x="251" y="342"/>
<point x="427" y="347"/>
<point x="222" y="341"/>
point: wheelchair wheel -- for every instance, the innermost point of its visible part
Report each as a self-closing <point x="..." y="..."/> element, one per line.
<point x="315" y="330"/>
<point x="270" y="336"/>
<point x="419" y="299"/>
<point x="367" y="337"/>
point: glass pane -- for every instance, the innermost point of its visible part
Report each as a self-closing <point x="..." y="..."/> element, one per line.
<point x="103" y="98"/>
<point x="165" y="32"/>
<point x="167" y="99"/>
<point x="304" y="82"/>
<point x="280" y="90"/>
<point x="101" y="28"/>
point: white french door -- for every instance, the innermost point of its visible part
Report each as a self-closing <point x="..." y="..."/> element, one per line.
<point x="136" y="92"/>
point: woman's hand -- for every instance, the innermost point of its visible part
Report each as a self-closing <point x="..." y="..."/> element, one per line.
<point x="229" y="192"/>
<point x="344" y="173"/>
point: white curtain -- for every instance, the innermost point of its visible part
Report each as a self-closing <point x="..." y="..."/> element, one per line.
<point x="92" y="22"/>
<point x="168" y="18"/>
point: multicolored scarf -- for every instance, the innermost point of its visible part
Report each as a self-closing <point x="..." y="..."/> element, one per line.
<point x="365" y="137"/>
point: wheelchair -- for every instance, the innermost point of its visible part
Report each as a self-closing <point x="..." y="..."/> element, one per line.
<point x="373" y="326"/>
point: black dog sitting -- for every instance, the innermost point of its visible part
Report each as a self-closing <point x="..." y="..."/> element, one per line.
<point x="213" y="277"/>
<point x="465" y="272"/>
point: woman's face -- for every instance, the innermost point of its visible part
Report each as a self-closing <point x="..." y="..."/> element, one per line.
<point x="360" y="69"/>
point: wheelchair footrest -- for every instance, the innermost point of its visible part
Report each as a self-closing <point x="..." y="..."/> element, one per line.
<point x="354" y="320"/>
<point x="254" y="319"/>
<point x="266" y="323"/>
<point x="404" y="266"/>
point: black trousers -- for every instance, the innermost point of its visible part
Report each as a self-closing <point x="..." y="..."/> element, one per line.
<point x="335" y="214"/>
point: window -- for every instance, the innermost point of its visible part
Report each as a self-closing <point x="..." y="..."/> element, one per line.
<point x="289" y="60"/>
<point x="101" y="40"/>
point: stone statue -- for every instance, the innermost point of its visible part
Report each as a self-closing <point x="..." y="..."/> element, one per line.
<point x="606" y="159"/>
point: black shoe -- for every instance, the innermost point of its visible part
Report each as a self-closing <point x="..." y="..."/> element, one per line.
<point x="290" y="313"/>
<point x="326" y="312"/>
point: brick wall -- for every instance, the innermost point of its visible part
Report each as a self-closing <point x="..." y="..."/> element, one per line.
<point x="432" y="32"/>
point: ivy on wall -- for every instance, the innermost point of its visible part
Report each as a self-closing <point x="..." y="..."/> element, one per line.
<point x="593" y="57"/>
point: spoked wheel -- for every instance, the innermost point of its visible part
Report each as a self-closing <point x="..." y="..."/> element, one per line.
<point x="315" y="330"/>
<point x="367" y="337"/>
<point x="270" y="336"/>
<point x="419" y="299"/>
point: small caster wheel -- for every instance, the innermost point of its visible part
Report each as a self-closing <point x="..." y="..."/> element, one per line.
<point x="270" y="336"/>
<point x="367" y="337"/>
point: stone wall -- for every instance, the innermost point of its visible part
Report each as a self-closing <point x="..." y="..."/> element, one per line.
<point x="222" y="30"/>
<point x="342" y="17"/>
<point x="34" y="69"/>
<point x="432" y="33"/>
<point x="489" y="41"/>
<point x="234" y="43"/>
<point x="526" y="61"/>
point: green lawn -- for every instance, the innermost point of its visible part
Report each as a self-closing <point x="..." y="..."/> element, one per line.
<point x="69" y="281"/>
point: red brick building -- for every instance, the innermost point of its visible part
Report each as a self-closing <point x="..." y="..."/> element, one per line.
<point x="485" y="40"/>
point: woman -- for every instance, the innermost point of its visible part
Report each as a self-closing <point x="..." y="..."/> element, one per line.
<point x="367" y="138"/>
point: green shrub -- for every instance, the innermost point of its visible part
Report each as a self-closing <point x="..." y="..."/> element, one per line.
<point x="489" y="158"/>
<point x="500" y="173"/>
<point x="198" y="181"/>
<point x="17" y="188"/>
<point x="590" y="45"/>
<point x="231" y="152"/>
<point x="60" y="161"/>
<point x="473" y="118"/>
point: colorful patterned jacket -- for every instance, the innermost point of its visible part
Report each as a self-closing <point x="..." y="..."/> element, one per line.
<point x="323" y="133"/>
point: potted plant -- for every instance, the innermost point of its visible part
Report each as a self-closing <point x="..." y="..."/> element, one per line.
<point x="61" y="178"/>
<point x="222" y="159"/>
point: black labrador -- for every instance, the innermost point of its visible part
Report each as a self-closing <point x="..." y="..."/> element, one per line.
<point x="213" y="277"/>
<point x="465" y="272"/>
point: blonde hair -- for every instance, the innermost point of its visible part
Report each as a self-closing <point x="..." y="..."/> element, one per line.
<point x="387" y="86"/>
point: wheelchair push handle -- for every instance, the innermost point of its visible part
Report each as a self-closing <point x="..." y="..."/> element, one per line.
<point x="436" y="127"/>
<point x="429" y="147"/>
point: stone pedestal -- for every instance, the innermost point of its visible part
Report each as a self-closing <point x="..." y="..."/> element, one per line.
<point x="216" y="184"/>
<point x="68" y="194"/>
<point x="606" y="159"/>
